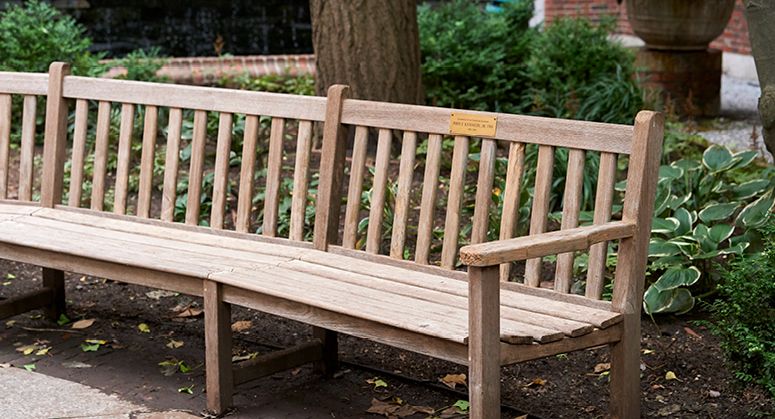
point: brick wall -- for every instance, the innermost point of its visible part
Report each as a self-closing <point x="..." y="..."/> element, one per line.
<point x="734" y="38"/>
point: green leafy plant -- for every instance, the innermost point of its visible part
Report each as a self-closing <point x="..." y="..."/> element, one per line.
<point x="742" y="317"/>
<point x="142" y="66"/>
<point x="565" y="82"/>
<point x="36" y="35"/>
<point x="701" y="214"/>
<point x="473" y="59"/>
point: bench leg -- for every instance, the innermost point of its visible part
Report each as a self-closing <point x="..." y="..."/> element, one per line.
<point x="220" y="382"/>
<point x="625" y="371"/>
<point x="54" y="279"/>
<point x="329" y="364"/>
<point x="484" y="367"/>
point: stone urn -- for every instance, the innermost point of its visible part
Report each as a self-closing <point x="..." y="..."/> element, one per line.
<point x="679" y="25"/>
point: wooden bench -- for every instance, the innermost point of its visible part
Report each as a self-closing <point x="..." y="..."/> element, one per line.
<point x="473" y="318"/>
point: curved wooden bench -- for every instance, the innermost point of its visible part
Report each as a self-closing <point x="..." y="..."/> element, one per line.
<point x="472" y="318"/>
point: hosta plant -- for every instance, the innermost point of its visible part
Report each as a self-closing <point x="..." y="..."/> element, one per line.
<point x="701" y="214"/>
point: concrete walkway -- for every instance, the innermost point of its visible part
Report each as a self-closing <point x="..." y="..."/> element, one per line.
<point x="30" y="395"/>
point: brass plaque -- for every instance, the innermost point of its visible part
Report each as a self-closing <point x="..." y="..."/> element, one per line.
<point x="474" y="125"/>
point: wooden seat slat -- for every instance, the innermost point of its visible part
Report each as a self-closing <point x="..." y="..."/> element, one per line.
<point x="265" y="282"/>
<point x="355" y="187"/>
<point x="454" y="202"/>
<point x="571" y="311"/>
<point x="180" y="232"/>
<point x="604" y="200"/>
<point x="100" y="156"/>
<point x="27" y="148"/>
<point x="221" y="175"/>
<point x="571" y="208"/>
<point x="540" y="327"/>
<point x="79" y="152"/>
<point x="209" y="254"/>
<point x="150" y="124"/>
<point x="169" y="190"/>
<point x="405" y="175"/>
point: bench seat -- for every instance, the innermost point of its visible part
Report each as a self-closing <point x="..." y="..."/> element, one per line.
<point x="393" y="296"/>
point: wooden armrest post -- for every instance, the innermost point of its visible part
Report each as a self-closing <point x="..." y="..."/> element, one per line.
<point x="631" y="266"/>
<point x="484" y="341"/>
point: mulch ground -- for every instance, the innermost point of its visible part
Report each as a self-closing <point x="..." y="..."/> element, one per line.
<point x="125" y="360"/>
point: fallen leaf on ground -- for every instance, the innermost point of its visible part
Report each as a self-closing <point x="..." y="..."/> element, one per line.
<point x="669" y="410"/>
<point x="30" y="367"/>
<point x="602" y="367"/>
<point x="90" y="348"/>
<point x="175" y="344"/>
<point x="144" y="328"/>
<point x="536" y="382"/>
<point x="6" y="365"/>
<point x="155" y="295"/>
<point x="9" y="324"/>
<point x="647" y="351"/>
<point x="692" y="333"/>
<point x="27" y="349"/>
<point x="521" y="417"/>
<point x="237" y="358"/>
<point x="671" y="376"/>
<point x="43" y="351"/>
<point x="241" y="325"/>
<point x="382" y="408"/>
<point x="714" y="393"/>
<point x="75" y="364"/>
<point x="83" y="324"/>
<point x="189" y="312"/>
<point x="377" y="383"/>
<point x="451" y="380"/>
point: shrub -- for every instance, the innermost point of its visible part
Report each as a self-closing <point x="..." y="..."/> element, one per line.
<point x="574" y="71"/>
<point x="473" y="59"/>
<point x="742" y="318"/>
<point x="142" y="66"/>
<point x="37" y="35"/>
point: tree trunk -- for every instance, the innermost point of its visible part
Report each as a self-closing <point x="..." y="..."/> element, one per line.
<point x="372" y="46"/>
<point x="761" y="31"/>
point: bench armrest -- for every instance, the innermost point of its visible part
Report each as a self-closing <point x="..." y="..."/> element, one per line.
<point x="528" y="247"/>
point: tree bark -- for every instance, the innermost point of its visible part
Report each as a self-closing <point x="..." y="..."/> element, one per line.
<point x="761" y="31"/>
<point x="371" y="45"/>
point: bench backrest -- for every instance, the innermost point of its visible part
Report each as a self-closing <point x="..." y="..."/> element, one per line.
<point x="405" y="194"/>
<point x="409" y="189"/>
<point x="103" y="143"/>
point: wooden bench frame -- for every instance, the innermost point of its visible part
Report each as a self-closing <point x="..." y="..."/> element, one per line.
<point x="490" y="305"/>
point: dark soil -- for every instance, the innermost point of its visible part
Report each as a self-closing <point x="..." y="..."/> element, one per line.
<point x="127" y="364"/>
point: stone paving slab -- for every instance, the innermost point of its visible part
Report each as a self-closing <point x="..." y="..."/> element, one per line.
<point x="30" y="395"/>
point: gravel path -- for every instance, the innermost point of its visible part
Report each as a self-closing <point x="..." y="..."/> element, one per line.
<point x="740" y="117"/>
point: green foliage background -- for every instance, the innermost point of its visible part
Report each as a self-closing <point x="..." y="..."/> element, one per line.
<point x="475" y="59"/>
